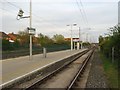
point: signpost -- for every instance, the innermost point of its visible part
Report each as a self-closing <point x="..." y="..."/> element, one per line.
<point x="31" y="31"/>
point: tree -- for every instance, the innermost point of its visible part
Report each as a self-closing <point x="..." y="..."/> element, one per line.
<point x="44" y="40"/>
<point x="100" y="39"/>
<point x="58" y="38"/>
<point x="24" y="38"/>
<point x="113" y="40"/>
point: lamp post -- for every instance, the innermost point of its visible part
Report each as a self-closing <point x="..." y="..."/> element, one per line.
<point x="71" y="35"/>
<point x="30" y="29"/>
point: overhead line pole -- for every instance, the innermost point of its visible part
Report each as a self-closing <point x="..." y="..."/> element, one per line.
<point x="79" y="35"/>
<point x="30" y="27"/>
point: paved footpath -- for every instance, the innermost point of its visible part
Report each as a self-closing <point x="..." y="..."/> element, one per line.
<point x="15" y="67"/>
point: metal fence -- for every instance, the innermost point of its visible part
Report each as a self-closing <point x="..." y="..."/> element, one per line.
<point x="18" y="53"/>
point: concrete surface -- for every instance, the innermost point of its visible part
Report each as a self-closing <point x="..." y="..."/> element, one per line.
<point x="15" y="67"/>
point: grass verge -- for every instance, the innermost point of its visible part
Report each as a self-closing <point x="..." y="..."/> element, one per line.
<point x="111" y="72"/>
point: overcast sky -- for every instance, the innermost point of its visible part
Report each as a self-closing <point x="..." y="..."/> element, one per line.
<point x="51" y="16"/>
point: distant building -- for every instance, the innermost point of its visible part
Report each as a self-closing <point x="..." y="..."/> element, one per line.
<point x="74" y="39"/>
<point x="13" y="36"/>
<point x="67" y="39"/>
<point x="3" y="35"/>
<point x="119" y="13"/>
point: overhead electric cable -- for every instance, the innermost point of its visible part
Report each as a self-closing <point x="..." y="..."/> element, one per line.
<point x="82" y="14"/>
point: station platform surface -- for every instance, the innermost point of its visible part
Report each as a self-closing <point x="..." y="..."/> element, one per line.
<point x="16" y="67"/>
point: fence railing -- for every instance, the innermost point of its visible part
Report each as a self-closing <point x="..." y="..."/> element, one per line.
<point x="18" y="53"/>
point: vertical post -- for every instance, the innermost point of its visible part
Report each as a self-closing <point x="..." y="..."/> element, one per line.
<point x="71" y="39"/>
<point x="81" y="45"/>
<point x="86" y="37"/>
<point x="79" y="36"/>
<point x="78" y="45"/>
<point x="119" y="13"/>
<point x="30" y="27"/>
<point x="74" y="44"/>
<point x="112" y="54"/>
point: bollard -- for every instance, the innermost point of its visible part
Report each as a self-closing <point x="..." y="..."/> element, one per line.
<point x="44" y="52"/>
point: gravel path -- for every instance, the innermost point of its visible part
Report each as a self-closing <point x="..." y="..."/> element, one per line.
<point x="96" y="77"/>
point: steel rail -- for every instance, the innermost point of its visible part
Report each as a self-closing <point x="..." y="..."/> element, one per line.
<point x="84" y="64"/>
<point x="39" y="82"/>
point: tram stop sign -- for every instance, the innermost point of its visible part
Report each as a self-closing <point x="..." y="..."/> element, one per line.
<point x="31" y="31"/>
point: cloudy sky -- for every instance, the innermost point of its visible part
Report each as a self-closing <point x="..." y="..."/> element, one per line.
<point x="50" y="17"/>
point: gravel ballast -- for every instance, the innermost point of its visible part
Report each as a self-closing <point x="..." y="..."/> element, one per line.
<point x="96" y="77"/>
